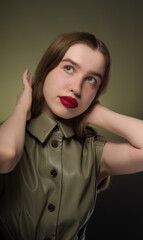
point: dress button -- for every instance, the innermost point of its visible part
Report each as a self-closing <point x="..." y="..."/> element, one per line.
<point x="54" y="143"/>
<point x="51" y="207"/>
<point x="53" y="173"/>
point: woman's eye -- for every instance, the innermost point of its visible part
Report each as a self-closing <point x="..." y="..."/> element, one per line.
<point x="91" y="80"/>
<point x="68" y="69"/>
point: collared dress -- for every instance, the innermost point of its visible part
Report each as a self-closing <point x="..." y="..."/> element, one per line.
<point x="51" y="193"/>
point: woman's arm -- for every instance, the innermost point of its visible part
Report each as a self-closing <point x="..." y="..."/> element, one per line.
<point x="119" y="158"/>
<point x="12" y="131"/>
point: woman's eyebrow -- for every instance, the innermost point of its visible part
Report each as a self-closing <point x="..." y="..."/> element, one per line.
<point x="97" y="75"/>
<point x="78" y="66"/>
<point x="71" y="61"/>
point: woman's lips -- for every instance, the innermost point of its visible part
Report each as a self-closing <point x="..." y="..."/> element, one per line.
<point x="69" y="101"/>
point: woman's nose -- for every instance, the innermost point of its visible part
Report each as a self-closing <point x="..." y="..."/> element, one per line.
<point x="76" y="87"/>
<point x="76" y="92"/>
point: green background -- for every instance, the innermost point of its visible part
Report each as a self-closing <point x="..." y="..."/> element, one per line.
<point x="28" y="27"/>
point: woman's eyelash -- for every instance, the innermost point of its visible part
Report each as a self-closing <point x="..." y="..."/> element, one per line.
<point x="92" y="80"/>
<point x="69" y="68"/>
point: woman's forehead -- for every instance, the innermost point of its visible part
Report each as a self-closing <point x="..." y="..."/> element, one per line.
<point x="86" y="57"/>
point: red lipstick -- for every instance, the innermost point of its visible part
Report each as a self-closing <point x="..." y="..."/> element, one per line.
<point x="68" y="101"/>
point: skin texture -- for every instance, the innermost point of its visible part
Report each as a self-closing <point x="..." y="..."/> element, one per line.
<point x="74" y="77"/>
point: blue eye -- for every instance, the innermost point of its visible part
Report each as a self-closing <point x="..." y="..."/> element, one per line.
<point x="68" y="69"/>
<point x="91" y="80"/>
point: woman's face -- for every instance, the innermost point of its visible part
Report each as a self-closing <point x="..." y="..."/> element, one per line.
<point x="70" y="88"/>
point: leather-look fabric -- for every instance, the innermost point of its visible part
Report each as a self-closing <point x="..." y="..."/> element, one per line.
<point x="51" y="192"/>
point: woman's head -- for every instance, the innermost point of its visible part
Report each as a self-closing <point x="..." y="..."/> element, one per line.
<point x="55" y="54"/>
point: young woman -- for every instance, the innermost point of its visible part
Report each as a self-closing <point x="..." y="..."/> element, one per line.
<point x="51" y="159"/>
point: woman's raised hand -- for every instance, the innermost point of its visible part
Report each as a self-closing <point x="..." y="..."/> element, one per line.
<point x="12" y="131"/>
<point x="24" y="98"/>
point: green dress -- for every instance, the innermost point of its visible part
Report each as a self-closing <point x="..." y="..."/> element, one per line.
<point x="51" y="193"/>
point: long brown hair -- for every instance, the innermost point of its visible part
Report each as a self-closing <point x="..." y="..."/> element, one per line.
<point x="52" y="57"/>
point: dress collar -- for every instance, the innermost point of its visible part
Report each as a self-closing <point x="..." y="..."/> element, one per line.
<point x="41" y="126"/>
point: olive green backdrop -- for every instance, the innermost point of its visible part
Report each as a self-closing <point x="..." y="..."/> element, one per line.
<point x="27" y="28"/>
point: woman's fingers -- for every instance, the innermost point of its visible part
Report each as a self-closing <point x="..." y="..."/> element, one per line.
<point x="30" y="79"/>
<point x="27" y="78"/>
<point x="24" y="77"/>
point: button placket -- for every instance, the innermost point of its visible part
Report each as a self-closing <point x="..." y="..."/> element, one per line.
<point x="53" y="202"/>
